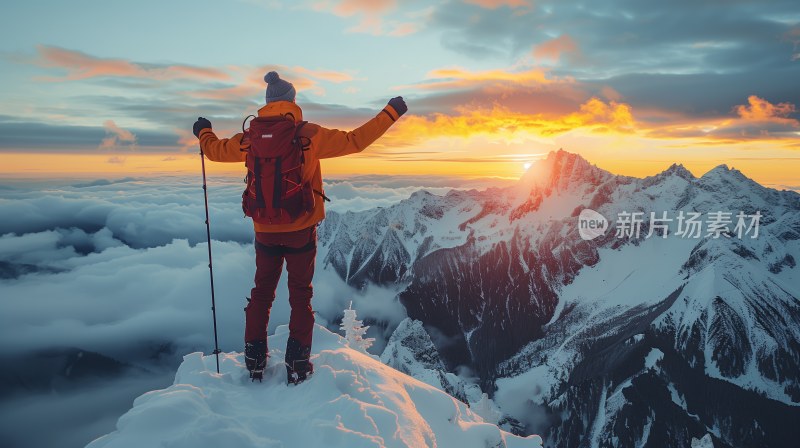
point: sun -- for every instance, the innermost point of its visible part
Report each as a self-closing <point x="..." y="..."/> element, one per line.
<point x="527" y="165"/>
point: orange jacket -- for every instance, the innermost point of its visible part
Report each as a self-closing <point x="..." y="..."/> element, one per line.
<point x="325" y="143"/>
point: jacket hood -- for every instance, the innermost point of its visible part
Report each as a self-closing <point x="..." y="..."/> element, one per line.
<point x="281" y="108"/>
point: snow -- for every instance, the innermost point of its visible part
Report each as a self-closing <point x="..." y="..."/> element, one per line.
<point x="645" y="434"/>
<point x="630" y="282"/>
<point x="738" y="282"/>
<point x="486" y="408"/>
<point x="605" y="293"/>
<point x="653" y="358"/>
<point x="535" y="385"/>
<point x="680" y="401"/>
<point x="351" y="400"/>
<point x="599" y="420"/>
<point x="364" y="232"/>
<point x="705" y="442"/>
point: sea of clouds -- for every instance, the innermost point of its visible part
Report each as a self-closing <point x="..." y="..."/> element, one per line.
<point x="118" y="267"/>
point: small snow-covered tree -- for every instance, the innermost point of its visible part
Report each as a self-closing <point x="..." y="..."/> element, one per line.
<point x="354" y="330"/>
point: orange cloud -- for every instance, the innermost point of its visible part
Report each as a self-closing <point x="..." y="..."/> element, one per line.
<point x="252" y="82"/>
<point x="371" y="14"/>
<point x="759" y="109"/>
<point x="500" y="123"/>
<point x="757" y="120"/>
<point x="609" y="93"/>
<point x="611" y="116"/>
<point x="404" y="29"/>
<point x="375" y="7"/>
<point x="494" y="4"/>
<point x="533" y="75"/>
<point x="553" y="49"/>
<point x="186" y="140"/>
<point x="325" y="75"/>
<point x="117" y="137"/>
<point x="80" y="65"/>
<point x="514" y="105"/>
<point x="457" y="78"/>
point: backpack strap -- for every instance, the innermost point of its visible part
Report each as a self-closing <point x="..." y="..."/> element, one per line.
<point x="257" y="179"/>
<point x="303" y="140"/>
<point x="244" y="142"/>
<point x="277" y="183"/>
<point x="245" y="122"/>
<point x="322" y="195"/>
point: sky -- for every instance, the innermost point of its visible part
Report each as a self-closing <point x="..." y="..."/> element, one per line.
<point x="109" y="88"/>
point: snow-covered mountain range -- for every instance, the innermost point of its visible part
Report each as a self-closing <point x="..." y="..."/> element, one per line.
<point x="519" y="326"/>
<point x="646" y="339"/>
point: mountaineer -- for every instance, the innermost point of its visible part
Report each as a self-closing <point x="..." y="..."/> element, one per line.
<point x="284" y="197"/>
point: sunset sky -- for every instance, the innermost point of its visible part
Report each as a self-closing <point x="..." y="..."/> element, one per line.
<point x="108" y="88"/>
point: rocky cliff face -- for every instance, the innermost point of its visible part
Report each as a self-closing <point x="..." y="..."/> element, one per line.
<point x="607" y="342"/>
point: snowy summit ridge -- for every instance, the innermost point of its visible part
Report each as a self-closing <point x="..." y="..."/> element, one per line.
<point x="352" y="400"/>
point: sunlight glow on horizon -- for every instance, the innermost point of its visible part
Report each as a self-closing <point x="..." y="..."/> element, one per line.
<point x="92" y="165"/>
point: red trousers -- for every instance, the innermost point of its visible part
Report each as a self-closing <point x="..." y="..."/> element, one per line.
<point x="299" y="249"/>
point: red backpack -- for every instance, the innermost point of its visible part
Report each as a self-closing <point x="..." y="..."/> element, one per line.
<point x="275" y="193"/>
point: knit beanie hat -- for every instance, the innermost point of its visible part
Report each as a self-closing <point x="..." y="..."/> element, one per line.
<point x="278" y="89"/>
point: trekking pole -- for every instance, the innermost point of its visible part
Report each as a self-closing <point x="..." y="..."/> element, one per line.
<point x="210" y="264"/>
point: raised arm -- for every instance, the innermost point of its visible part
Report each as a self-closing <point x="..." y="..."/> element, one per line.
<point x="215" y="149"/>
<point x="336" y="143"/>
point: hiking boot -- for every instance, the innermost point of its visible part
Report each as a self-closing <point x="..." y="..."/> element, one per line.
<point x="255" y="358"/>
<point x="298" y="366"/>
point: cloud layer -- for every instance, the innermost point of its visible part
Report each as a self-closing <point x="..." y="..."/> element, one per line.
<point x="119" y="267"/>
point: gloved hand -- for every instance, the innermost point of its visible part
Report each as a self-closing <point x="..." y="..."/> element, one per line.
<point x="398" y="105"/>
<point x="199" y="125"/>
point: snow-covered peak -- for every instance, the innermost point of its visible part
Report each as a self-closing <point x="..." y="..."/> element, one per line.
<point x="670" y="182"/>
<point x="411" y="344"/>
<point x="721" y="168"/>
<point x="732" y="188"/>
<point x="351" y="400"/>
<point x="722" y="171"/>
<point x="561" y="170"/>
<point x="677" y="169"/>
